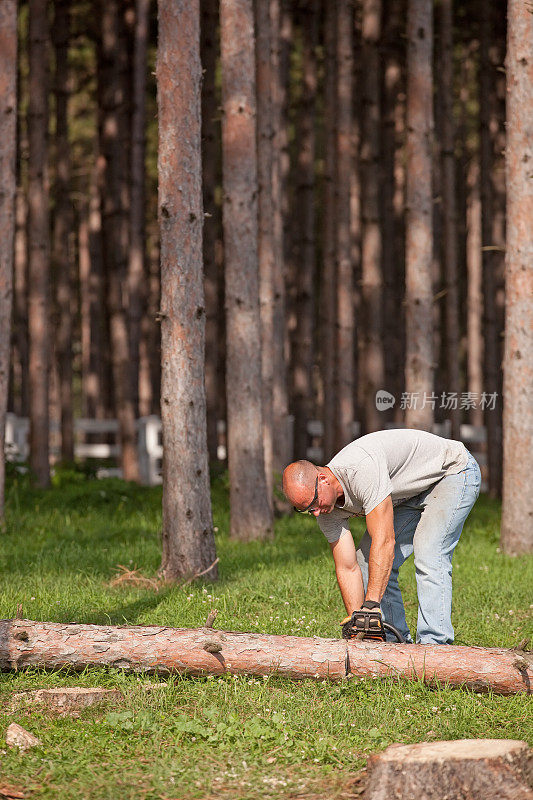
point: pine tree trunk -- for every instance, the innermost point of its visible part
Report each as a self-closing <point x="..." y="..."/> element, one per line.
<point x="115" y="225"/>
<point x="188" y="540"/>
<point x="210" y="170"/>
<point x="205" y="651"/>
<point x="469" y="219"/>
<point x="20" y="279"/>
<point x="373" y="367"/>
<point x="419" y="228"/>
<point x="8" y="186"/>
<point x="438" y="277"/>
<point x="449" y="214"/>
<point x="498" y="225"/>
<point x="345" y="352"/>
<point x="392" y="243"/>
<point x="63" y="224"/>
<point x="517" y="511"/>
<point x="136" y="256"/>
<point x="266" y="247"/>
<point x="282" y="446"/>
<point x="491" y="256"/>
<point x="38" y="243"/>
<point x="474" y="292"/>
<point x="150" y="352"/>
<point x="286" y="47"/>
<point x="328" y="282"/>
<point x="356" y="222"/>
<point x="250" y="511"/>
<point x="92" y="303"/>
<point x="303" y="344"/>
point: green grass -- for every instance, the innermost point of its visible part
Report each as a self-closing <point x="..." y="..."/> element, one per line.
<point x="229" y="737"/>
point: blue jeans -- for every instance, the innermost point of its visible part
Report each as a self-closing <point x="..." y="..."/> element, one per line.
<point x="428" y="525"/>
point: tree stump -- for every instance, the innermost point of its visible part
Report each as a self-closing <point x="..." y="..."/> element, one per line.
<point x="65" y="699"/>
<point x="467" y="769"/>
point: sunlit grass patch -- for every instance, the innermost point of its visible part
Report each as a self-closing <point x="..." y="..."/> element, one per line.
<point x="238" y="737"/>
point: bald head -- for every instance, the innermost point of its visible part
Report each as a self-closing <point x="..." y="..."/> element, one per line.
<point x="299" y="480"/>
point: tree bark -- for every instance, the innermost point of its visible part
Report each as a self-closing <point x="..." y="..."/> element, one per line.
<point x="150" y="360"/>
<point x="303" y="339"/>
<point x="345" y="345"/>
<point x="449" y="214"/>
<point x="488" y="122"/>
<point x="328" y="305"/>
<point x="24" y="643"/>
<point x="20" y="276"/>
<point x="282" y="446"/>
<point x="211" y="178"/>
<point x="136" y="255"/>
<point x="96" y="389"/>
<point x="492" y="769"/>
<point x="266" y="246"/>
<point x="474" y="301"/>
<point x="250" y="510"/>
<point x="63" y="225"/>
<point x="419" y="228"/>
<point x="92" y="304"/>
<point x="517" y="510"/>
<point x="115" y="224"/>
<point x="8" y="185"/>
<point x="393" y="100"/>
<point x="38" y="243"/>
<point x="188" y="539"/>
<point x="373" y="368"/>
<point x="356" y="222"/>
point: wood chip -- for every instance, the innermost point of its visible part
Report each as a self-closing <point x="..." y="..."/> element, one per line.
<point x="10" y="792"/>
<point x="17" y="736"/>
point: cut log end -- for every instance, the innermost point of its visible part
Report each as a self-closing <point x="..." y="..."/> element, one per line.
<point x="459" y="749"/>
<point x="491" y="769"/>
<point x="65" y="699"/>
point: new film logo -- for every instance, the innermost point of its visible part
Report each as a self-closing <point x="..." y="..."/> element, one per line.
<point x="384" y="400"/>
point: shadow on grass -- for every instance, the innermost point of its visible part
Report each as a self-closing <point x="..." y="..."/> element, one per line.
<point x="117" y="613"/>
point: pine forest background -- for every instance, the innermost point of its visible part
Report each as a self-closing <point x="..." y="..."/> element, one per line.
<point x="353" y="174"/>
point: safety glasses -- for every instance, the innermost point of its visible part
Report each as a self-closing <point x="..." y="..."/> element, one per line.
<point x="311" y="504"/>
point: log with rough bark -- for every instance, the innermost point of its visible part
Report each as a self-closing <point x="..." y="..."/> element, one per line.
<point x="201" y="651"/>
<point x="492" y="769"/>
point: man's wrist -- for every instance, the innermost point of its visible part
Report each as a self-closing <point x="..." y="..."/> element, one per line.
<point x="370" y="605"/>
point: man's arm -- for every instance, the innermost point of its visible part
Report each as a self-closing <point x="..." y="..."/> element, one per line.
<point x="348" y="572"/>
<point x="380" y="526"/>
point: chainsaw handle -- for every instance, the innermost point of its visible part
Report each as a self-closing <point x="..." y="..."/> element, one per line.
<point x="395" y="631"/>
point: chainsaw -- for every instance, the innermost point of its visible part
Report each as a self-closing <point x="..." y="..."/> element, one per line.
<point x="368" y="625"/>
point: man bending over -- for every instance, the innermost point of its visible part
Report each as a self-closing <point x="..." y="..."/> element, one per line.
<point x="415" y="490"/>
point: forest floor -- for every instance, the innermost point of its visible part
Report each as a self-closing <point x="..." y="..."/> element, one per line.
<point x="228" y="737"/>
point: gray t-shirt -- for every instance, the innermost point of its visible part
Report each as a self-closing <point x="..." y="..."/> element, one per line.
<point x="400" y="463"/>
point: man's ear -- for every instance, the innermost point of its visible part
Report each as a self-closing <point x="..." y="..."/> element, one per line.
<point x="323" y="476"/>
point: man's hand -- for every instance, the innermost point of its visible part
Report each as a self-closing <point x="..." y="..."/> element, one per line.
<point x="364" y="623"/>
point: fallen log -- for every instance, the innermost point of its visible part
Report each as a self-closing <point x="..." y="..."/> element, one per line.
<point x="468" y="769"/>
<point x="204" y="651"/>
